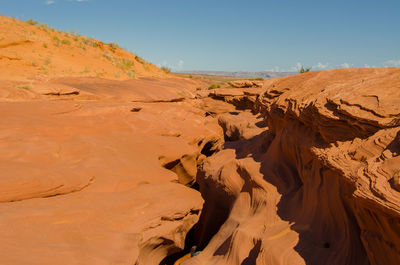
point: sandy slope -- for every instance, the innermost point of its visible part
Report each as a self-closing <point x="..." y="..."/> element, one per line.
<point x="37" y="51"/>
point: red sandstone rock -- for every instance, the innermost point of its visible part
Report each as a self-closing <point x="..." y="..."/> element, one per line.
<point x="83" y="182"/>
<point x="245" y="83"/>
<point x="316" y="186"/>
<point x="241" y="125"/>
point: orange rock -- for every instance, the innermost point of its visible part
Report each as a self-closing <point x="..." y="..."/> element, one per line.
<point x="245" y="83"/>
<point x="316" y="186"/>
<point x="82" y="181"/>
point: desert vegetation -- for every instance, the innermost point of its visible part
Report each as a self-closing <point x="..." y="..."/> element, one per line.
<point x="213" y="86"/>
<point x="48" y="43"/>
<point x="166" y="69"/>
<point x="304" y="70"/>
<point x="32" y="22"/>
<point x="140" y="59"/>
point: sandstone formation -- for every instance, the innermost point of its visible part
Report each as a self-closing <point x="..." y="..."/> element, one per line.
<point x="319" y="185"/>
<point x="84" y="176"/>
<point x="245" y="83"/>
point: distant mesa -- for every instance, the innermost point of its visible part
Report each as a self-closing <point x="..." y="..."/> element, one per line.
<point x="264" y="75"/>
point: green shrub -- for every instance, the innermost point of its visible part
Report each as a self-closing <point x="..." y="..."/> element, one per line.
<point x="26" y="87"/>
<point x="125" y="64"/>
<point x="44" y="45"/>
<point x="131" y="74"/>
<point x="32" y="22"/>
<point x="113" y="46"/>
<point x="304" y="70"/>
<point x="92" y="42"/>
<point x="66" y="42"/>
<point x="213" y="86"/>
<point x="45" y="27"/>
<point x="166" y="69"/>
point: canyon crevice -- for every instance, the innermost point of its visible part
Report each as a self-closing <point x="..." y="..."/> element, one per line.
<point x="315" y="187"/>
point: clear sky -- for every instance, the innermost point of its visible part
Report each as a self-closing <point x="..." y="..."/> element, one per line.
<point x="233" y="35"/>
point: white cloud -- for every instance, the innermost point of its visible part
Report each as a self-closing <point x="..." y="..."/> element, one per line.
<point x="163" y="63"/>
<point x="321" y="66"/>
<point x="296" y="68"/>
<point x="346" y="65"/>
<point x="180" y="64"/>
<point x="275" y="69"/>
<point x="176" y="67"/>
<point x="393" y="63"/>
<point x="49" y="2"/>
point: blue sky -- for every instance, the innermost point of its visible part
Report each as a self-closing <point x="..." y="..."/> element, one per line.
<point x="233" y="35"/>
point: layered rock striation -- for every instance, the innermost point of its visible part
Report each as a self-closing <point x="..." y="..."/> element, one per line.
<point x="319" y="185"/>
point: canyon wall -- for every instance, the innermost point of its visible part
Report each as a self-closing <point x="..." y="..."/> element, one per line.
<point x="319" y="185"/>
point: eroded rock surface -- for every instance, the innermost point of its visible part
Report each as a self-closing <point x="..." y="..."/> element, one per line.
<point x="319" y="185"/>
<point x="241" y="125"/>
<point x="82" y="178"/>
<point x="245" y="83"/>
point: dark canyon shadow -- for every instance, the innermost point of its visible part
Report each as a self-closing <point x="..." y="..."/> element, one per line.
<point x="329" y="232"/>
